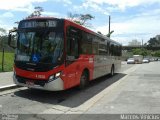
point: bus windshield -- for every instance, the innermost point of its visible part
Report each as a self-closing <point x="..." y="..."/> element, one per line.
<point x="40" y="46"/>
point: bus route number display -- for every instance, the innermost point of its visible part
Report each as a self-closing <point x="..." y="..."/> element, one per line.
<point x="35" y="24"/>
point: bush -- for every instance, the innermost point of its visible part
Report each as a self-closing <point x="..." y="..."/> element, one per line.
<point x="8" y="61"/>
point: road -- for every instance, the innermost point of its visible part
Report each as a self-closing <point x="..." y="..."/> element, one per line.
<point x="134" y="90"/>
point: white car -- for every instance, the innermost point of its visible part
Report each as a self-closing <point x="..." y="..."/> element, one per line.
<point x="130" y="61"/>
<point x="145" y="60"/>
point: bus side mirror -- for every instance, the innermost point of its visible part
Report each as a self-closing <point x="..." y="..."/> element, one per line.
<point x="11" y="40"/>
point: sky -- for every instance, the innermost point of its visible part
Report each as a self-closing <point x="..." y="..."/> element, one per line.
<point x="130" y="19"/>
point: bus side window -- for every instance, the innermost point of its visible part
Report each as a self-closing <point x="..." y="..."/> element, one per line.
<point x="111" y="49"/>
<point x="120" y="50"/>
<point x="86" y="43"/>
<point x="73" y="36"/>
<point x="108" y="48"/>
<point x="103" y="48"/>
<point x="95" y="48"/>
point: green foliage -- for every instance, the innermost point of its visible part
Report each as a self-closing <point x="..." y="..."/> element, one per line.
<point x="78" y="22"/>
<point x="156" y="54"/>
<point x="37" y="12"/>
<point x="137" y="51"/>
<point x="142" y="51"/>
<point x="2" y="31"/>
<point x="85" y="17"/>
<point x="153" y="42"/>
<point x="4" y="40"/>
<point x="81" y="19"/>
<point x="8" y="61"/>
<point x="146" y="52"/>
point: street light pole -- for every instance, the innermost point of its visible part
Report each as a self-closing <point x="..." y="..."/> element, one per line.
<point x="109" y="30"/>
<point x="142" y="43"/>
<point x="3" y="60"/>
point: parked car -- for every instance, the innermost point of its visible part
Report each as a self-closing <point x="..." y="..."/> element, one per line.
<point x="146" y="60"/>
<point x="155" y="59"/>
<point x="151" y="59"/>
<point x="130" y="61"/>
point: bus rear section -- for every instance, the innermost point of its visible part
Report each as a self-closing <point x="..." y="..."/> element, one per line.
<point x="57" y="54"/>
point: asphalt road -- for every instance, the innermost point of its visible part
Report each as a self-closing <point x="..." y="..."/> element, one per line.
<point x="134" y="90"/>
<point x="138" y="93"/>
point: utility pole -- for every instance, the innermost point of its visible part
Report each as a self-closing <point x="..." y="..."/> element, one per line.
<point x="142" y="43"/>
<point x="109" y="30"/>
<point x="3" y="60"/>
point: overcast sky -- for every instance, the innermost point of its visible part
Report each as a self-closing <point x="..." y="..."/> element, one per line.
<point x="130" y="19"/>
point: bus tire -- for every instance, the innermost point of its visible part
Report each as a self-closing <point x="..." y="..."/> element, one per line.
<point x="84" y="80"/>
<point x="112" y="70"/>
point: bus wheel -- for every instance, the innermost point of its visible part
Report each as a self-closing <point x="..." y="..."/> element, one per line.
<point x="84" y="80"/>
<point x="112" y="71"/>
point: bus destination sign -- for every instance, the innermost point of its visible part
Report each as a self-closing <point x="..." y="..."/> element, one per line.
<point x="37" y="24"/>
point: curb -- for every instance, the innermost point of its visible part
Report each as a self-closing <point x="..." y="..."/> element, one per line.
<point x="8" y="87"/>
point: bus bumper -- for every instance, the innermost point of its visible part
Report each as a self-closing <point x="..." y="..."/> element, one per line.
<point x="55" y="85"/>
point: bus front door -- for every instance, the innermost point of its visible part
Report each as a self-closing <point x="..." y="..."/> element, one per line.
<point x="72" y="61"/>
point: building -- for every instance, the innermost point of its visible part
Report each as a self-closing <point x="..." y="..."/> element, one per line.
<point x="158" y="37"/>
<point x="134" y="43"/>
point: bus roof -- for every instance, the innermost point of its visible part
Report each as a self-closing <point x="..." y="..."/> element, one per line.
<point x="92" y="32"/>
<point x="76" y="25"/>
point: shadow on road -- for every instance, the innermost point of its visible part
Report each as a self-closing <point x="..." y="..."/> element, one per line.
<point x="72" y="97"/>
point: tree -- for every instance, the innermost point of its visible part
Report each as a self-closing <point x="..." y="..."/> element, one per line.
<point x="137" y="51"/>
<point x="142" y="51"/>
<point x="37" y="12"/>
<point x="2" y="36"/>
<point x="157" y="54"/>
<point x="72" y="16"/>
<point x="153" y="42"/>
<point x="84" y="18"/>
<point x="81" y="18"/>
<point x="2" y="31"/>
<point x="4" y="40"/>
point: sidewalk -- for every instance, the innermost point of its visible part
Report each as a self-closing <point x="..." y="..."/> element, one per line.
<point x="6" y="78"/>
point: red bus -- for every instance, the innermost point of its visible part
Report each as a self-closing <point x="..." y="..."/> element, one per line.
<point x="57" y="54"/>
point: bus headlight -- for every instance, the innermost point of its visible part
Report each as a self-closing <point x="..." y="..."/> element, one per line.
<point x="57" y="74"/>
<point x="53" y="77"/>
